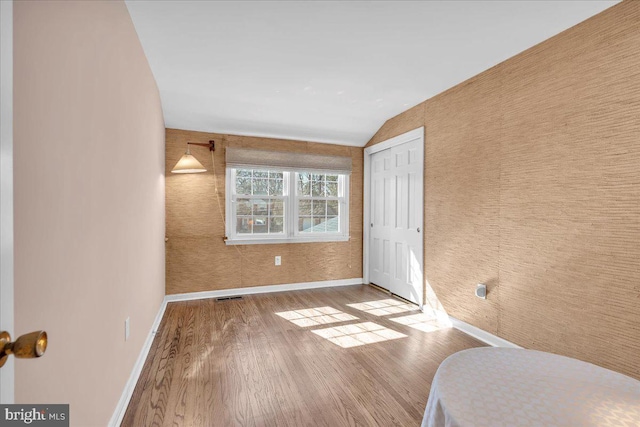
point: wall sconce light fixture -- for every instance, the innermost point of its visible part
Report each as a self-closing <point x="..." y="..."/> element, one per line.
<point x="188" y="163"/>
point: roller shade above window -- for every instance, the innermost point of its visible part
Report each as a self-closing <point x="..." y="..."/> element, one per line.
<point x="284" y="160"/>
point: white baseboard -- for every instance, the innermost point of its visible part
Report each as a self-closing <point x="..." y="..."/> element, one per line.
<point x="262" y="289"/>
<point x="121" y="407"/>
<point x="481" y="334"/>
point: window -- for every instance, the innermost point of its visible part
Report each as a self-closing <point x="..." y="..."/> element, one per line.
<point x="318" y="203"/>
<point x="259" y="202"/>
<point x="278" y="206"/>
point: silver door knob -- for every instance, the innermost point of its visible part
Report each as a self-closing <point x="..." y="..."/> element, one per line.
<point x="418" y="229"/>
<point x="371" y="224"/>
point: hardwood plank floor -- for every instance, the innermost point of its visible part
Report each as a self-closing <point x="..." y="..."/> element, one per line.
<point x="269" y="360"/>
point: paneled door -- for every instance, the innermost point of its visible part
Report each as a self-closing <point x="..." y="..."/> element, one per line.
<point x="396" y="211"/>
<point x="380" y="237"/>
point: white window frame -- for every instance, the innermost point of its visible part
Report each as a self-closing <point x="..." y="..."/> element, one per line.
<point x="291" y="233"/>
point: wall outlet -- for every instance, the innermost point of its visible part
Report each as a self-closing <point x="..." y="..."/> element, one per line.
<point x="278" y="260"/>
<point x="481" y="290"/>
<point x="127" y="322"/>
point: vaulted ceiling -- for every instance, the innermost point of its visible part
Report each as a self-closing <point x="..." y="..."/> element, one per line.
<point x="328" y="71"/>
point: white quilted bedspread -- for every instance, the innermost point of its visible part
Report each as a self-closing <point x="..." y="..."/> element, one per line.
<point x="493" y="387"/>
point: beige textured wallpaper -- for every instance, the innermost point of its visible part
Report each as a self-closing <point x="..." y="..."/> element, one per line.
<point x="197" y="257"/>
<point x="532" y="185"/>
<point x="89" y="201"/>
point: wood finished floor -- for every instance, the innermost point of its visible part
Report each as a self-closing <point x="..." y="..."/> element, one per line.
<point x="239" y="363"/>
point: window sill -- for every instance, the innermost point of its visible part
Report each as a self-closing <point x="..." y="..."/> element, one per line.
<point x="317" y="239"/>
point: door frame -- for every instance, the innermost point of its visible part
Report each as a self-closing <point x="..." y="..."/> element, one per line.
<point x="366" y="214"/>
<point x="6" y="192"/>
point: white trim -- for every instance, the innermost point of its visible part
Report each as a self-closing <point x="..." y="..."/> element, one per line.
<point x="7" y="375"/>
<point x="481" y="334"/>
<point x="290" y="201"/>
<point x="318" y="238"/>
<point x="229" y="230"/>
<point x="366" y="220"/>
<point x="366" y="216"/>
<point x="123" y="403"/>
<point x="262" y="289"/>
<point x="396" y="140"/>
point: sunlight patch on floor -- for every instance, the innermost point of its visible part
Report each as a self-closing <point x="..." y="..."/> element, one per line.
<point x="315" y="316"/>
<point x="348" y="336"/>
<point x="422" y="322"/>
<point x="198" y="363"/>
<point x="384" y="307"/>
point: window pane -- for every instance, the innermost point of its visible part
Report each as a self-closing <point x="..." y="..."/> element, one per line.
<point x="304" y="207"/>
<point x="305" y="224"/>
<point x="276" y="207"/>
<point x="243" y="207"/>
<point x="260" y="186"/>
<point x="333" y="224"/>
<point x="304" y="176"/>
<point x="318" y="225"/>
<point x="319" y="208"/>
<point x="243" y="173"/>
<point x="260" y="207"/>
<point x="276" y="187"/>
<point x="332" y="178"/>
<point x="276" y="175"/>
<point x="304" y="184"/>
<point x="317" y="188"/>
<point x="243" y="185"/>
<point x="260" y="224"/>
<point x="332" y="189"/>
<point x="243" y="225"/>
<point x="276" y="225"/>
<point x="260" y="174"/>
<point x="333" y="207"/>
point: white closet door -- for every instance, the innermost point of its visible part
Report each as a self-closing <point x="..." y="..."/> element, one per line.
<point x="396" y="212"/>
<point x="381" y="222"/>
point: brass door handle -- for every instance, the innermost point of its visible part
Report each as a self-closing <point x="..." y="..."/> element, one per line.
<point x="27" y="346"/>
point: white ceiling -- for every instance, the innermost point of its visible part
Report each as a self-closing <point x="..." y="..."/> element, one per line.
<point x="328" y="71"/>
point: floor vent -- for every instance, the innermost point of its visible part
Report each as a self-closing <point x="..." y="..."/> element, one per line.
<point x="229" y="298"/>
